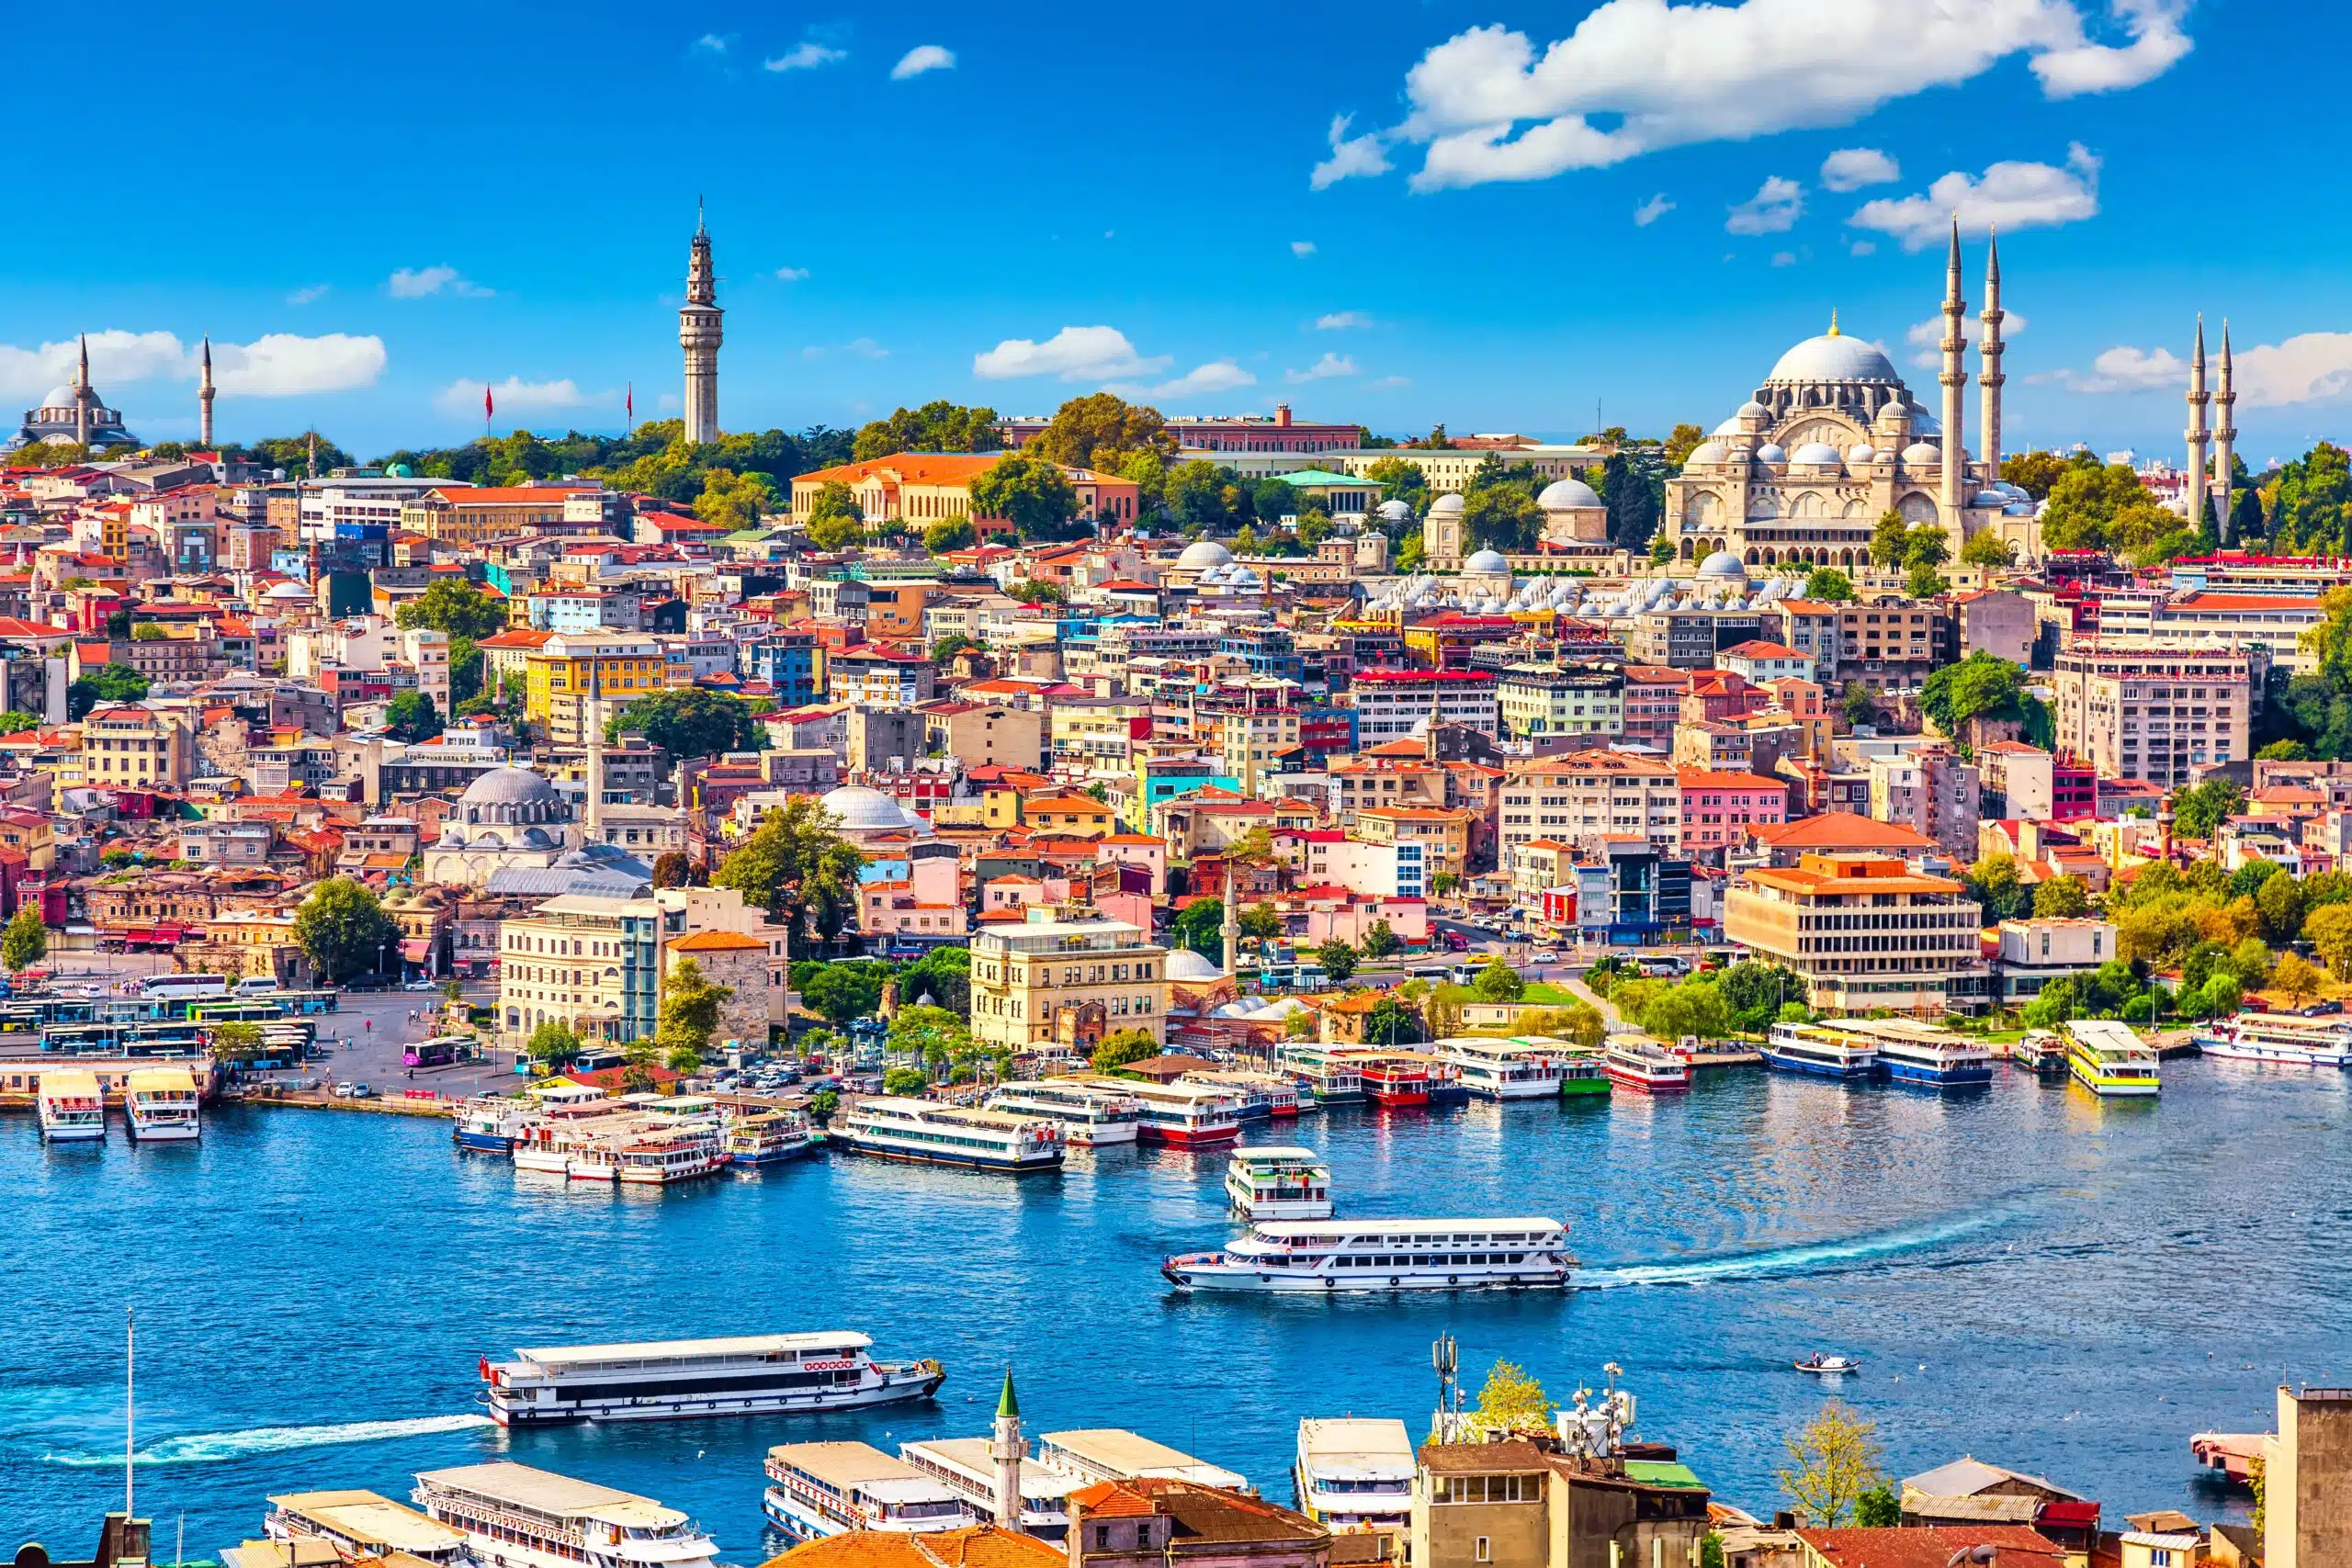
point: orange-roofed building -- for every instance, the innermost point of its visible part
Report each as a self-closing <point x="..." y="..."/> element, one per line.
<point x="1159" y="1521"/>
<point x="1078" y="815"/>
<point x="981" y="1546"/>
<point x="1840" y="832"/>
<point x="741" y="963"/>
<point x="467" y="518"/>
<point x="1864" y="931"/>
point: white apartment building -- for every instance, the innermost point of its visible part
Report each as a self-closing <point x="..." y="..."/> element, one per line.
<point x="1391" y="704"/>
<point x="1535" y="702"/>
<point x="426" y="651"/>
<point x="2152" y="713"/>
<point x="1584" y="795"/>
<point x="1400" y="870"/>
<point x="2216" y="620"/>
<point x="362" y="501"/>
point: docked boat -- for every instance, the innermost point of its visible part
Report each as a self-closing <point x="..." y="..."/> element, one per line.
<point x="1821" y="1051"/>
<point x="1643" y="1065"/>
<point x="364" y="1526"/>
<point x="1259" y="1095"/>
<point x="1321" y="1257"/>
<point x="490" y="1124"/>
<point x="2111" y="1060"/>
<point x="652" y="1151"/>
<point x="1394" y="1080"/>
<point x="820" y="1490"/>
<point x="72" y="1108"/>
<point x="1823" y="1366"/>
<point x="1921" y="1055"/>
<point x="966" y="1467"/>
<point x="658" y="1380"/>
<point x="1583" y="1074"/>
<point x="926" y="1132"/>
<point x="519" y="1517"/>
<point x="1270" y="1182"/>
<point x="768" y="1137"/>
<point x="1354" y="1473"/>
<point x="161" y="1105"/>
<point x="2041" y="1052"/>
<point x="1523" y="1068"/>
<point x="2289" y="1039"/>
<point x="1187" y="1115"/>
<point x="569" y="1118"/>
<point x="1327" y="1075"/>
<point x="1091" y="1114"/>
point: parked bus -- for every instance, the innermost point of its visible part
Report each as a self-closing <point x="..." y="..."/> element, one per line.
<point x="184" y="987"/>
<point x="439" y="1051"/>
<point x="131" y="1039"/>
<point x="306" y="1001"/>
<point x="236" y="1011"/>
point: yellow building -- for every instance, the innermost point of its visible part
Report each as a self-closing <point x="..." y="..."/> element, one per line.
<point x="919" y="486"/>
<point x="617" y="667"/>
<point x="468" y="517"/>
<point x="1079" y="815"/>
<point x="1865" y="931"/>
<point x="1067" y="982"/>
<point x="584" y="961"/>
<point x="131" y="746"/>
<point x="1445" y="836"/>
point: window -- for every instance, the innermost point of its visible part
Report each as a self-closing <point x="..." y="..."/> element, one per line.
<point x="1484" y="1554"/>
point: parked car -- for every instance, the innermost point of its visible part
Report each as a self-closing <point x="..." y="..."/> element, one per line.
<point x="1543" y="955"/>
<point x="361" y="1091"/>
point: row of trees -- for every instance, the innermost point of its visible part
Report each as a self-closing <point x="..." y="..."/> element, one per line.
<point x="1747" y="997"/>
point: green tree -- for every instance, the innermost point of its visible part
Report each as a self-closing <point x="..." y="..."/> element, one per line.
<point x="1380" y="941"/>
<point x="344" y="931"/>
<point x="2329" y="930"/>
<point x="1338" y="961"/>
<point x="840" y="992"/>
<point x="1391" y="1022"/>
<point x="1098" y="431"/>
<point x="456" y="607"/>
<point x="1829" y="585"/>
<point x="1261" y="922"/>
<point x="797" y="865"/>
<point x="2277" y="752"/>
<point x="1497" y="982"/>
<point x="905" y="1080"/>
<point x="233" y="1040"/>
<point x="1501" y="517"/>
<point x="1832" y="1462"/>
<point x="1889" y="541"/>
<point x="2198" y="811"/>
<point x="551" y="1043"/>
<point x="1693" y="1008"/>
<point x="1117" y="1050"/>
<point x="2311" y="508"/>
<point x="1993" y="882"/>
<point x="1924" y="582"/>
<point x="2296" y="979"/>
<point x="690" y="1005"/>
<point x="683" y="1059"/>
<point x="672" y="870"/>
<point x="1512" y="1401"/>
<point x="955" y="533"/>
<point x="1985" y="549"/>
<point x="1200" y="926"/>
<point x="1680" y="442"/>
<point x="1030" y="493"/>
<point x="2035" y="472"/>
<point x="1036" y="592"/>
<point x="411" y="716"/>
<point x="733" y="501"/>
<point x="937" y="426"/>
<point x="937" y="1038"/>
<point x="107" y="683"/>
<point x="25" y="942"/>
<point x="1983" y="685"/>
<point x="1878" y="1508"/>
<point x="691" y="721"/>
<point x="2062" y="898"/>
<point x="465" y="672"/>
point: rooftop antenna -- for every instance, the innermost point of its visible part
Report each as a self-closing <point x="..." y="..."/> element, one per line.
<point x="1445" y="1358"/>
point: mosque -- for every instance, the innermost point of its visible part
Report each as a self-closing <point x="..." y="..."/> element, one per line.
<point x="74" y="413"/>
<point x="1833" y="440"/>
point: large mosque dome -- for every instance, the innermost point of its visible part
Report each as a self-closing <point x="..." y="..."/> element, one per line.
<point x="1202" y="553"/>
<point x="862" y="810"/>
<point x="1562" y="494"/>
<point x="1833" y="356"/>
<point x="1489" y="561"/>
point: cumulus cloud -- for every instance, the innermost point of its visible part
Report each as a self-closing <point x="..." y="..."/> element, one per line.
<point x="710" y="43"/>
<point x="310" y="296"/>
<point x="922" y="57"/>
<point x="1851" y="168"/>
<point x="1652" y="211"/>
<point x="1350" y="155"/>
<point x="1784" y="258"/>
<point x="1640" y="76"/>
<point x="1074" y="354"/>
<point x="417" y="283"/>
<point x="1323" y="370"/>
<point x="2310" y="368"/>
<point x="514" y="395"/>
<point x="1341" y="321"/>
<point x="276" y="364"/>
<point x="791" y="274"/>
<point x="1217" y="375"/>
<point x="2007" y="196"/>
<point x="806" y="55"/>
<point x="1773" y="210"/>
<point x="1927" y="338"/>
<point x="1302" y="247"/>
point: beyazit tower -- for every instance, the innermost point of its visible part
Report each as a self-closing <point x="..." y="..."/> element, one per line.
<point x="699" y="335"/>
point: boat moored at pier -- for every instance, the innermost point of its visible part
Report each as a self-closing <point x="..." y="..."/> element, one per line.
<point x="1643" y="1065"/>
<point x="1528" y="1067"/>
<point x="1275" y="1182"/>
<point x="365" y="1525"/>
<point x="658" y="1380"/>
<point x="768" y="1137"/>
<point x="2288" y="1039"/>
<point x="1329" y="1076"/>
<point x="1355" y="1473"/>
<point x="2110" y="1059"/>
<point x="161" y="1105"/>
<point x="72" y="1108"/>
<point x="1091" y="1114"/>
<point x="926" y="1132"/>
<point x="490" y="1124"/>
<point x="820" y="1490"/>
<point x="1186" y="1114"/>
<point x="1319" y="1256"/>
<point x="1258" y="1095"/>
<point x="1821" y="1051"/>
<point x="520" y="1516"/>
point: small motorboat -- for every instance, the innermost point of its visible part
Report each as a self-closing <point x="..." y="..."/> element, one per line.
<point x="1828" y="1365"/>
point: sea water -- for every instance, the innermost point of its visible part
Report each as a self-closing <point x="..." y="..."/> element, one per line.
<point x="2046" y="1281"/>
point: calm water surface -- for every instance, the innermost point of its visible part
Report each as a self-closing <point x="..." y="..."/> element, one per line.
<point x="2031" y="1276"/>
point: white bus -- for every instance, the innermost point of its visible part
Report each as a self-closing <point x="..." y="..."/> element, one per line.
<point x="184" y="987"/>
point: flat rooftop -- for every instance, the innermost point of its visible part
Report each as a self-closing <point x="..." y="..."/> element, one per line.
<point x="682" y="1349"/>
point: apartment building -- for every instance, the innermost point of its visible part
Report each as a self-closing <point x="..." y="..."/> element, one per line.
<point x="1394" y="703"/>
<point x="884" y="679"/>
<point x="1386" y="781"/>
<point x="1066" y="982"/>
<point x="1929" y="790"/>
<point x="1539" y="701"/>
<point x="1582" y="794"/>
<point x="570" y="671"/>
<point x="1718" y="808"/>
<point x="131" y="746"/>
<point x="1443" y="835"/>
<point x="2220" y="621"/>
<point x="2157" y="714"/>
<point x="986" y="734"/>
<point x="1864" y="932"/>
<point x="468" y="518"/>
<point x="1892" y="642"/>
<point x="1652" y="704"/>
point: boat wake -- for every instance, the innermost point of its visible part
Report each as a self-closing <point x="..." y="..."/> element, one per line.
<point x="1813" y="1258"/>
<point x="216" y="1447"/>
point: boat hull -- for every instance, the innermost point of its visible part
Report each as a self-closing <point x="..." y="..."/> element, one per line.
<point x="75" y="1133"/>
<point x="755" y="1159"/>
<point x="1640" y="1085"/>
<point x="1523" y="1089"/>
<point x="2284" y="1057"/>
<point x="1192" y="1277"/>
<point x="897" y="1391"/>
<point x="1596" y="1087"/>
<point x="957" y="1162"/>
<point x="1843" y="1072"/>
<point x="1186" y="1137"/>
<point x="484" y="1143"/>
<point x="164" y="1133"/>
<point x="1967" y="1075"/>
<point x="1398" y="1096"/>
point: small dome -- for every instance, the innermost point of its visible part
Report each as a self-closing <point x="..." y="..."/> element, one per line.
<point x="1709" y="452"/>
<point x="1449" y="505"/>
<point x="1394" y="511"/>
<point x="509" y="786"/>
<point x="1723" y="563"/>
<point x="1486" y="561"/>
<point x="1833" y="357"/>
<point x="400" y="471"/>
<point x="1771" y="452"/>
<point x="1752" y="409"/>
<point x="1560" y="496"/>
<point x="1923" y="452"/>
<point x="289" y="590"/>
<point x="1893" y="417"/>
<point x="2018" y="509"/>
<point x="1186" y="964"/>
<point x="869" y="810"/>
<point x="1814" y="452"/>
<point x="1201" y="553"/>
<point x="1729" y="427"/>
<point x="1925" y="422"/>
<point x="1860" y="453"/>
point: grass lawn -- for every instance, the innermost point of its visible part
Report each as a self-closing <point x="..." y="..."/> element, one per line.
<point x="1544" y="994"/>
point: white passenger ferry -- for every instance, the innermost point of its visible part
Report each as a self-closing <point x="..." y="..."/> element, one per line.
<point x="769" y="1138"/>
<point x="2288" y="1039"/>
<point x="1259" y="1095"/>
<point x="752" y="1375"/>
<point x="926" y="1132"/>
<point x="827" y="1489"/>
<point x="1506" y="1069"/>
<point x="72" y="1108"/>
<point x="1636" y="1062"/>
<point x="1821" y="1051"/>
<point x="651" y="1151"/>
<point x="1186" y="1114"/>
<point x="1330" y="1077"/>
<point x="161" y="1105"/>
<point x="518" y="1517"/>
<point x="490" y="1124"/>
<point x="1091" y="1114"/>
<point x="1272" y="1182"/>
<point x="1324" y="1256"/>
<point x="364" y="1525"/>
<point x="966" y="1467"/>
<point x="1354" y="1472"/>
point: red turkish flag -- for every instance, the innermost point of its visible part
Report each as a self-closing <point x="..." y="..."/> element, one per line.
<point x="487" y="407"/>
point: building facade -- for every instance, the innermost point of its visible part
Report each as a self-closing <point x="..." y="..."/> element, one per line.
<point x="2158" y="714"/>
<point x="1049" y="981"/>
<point x="1864" y="932"/>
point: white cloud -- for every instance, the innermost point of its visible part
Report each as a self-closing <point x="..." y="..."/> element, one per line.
<point x="1387" y="384"/>
<point x="1773" y="210"/>
<point x="1350" y="155"/>
<point x="1784" y="258"/>
<point x="922" y="57"/>
<point x="1652" y="211"/>
<point x="1074" y="354"/>
<point x="1863" y="248"/>
<point x="1851" y="168"/>
<point x="310" y="296"/>
<point x="1927" y="338"/>
<point x="2008" y="196"/>
<point x="1302" y="248"/>
<point x="711" y="43"/>
<point x="1323" y="370"/>
<point x="806" y="55"/>
<point x="791" y="274"/>
<point x="416" y="283"/>
<point x="2310" y="368"/>
<point x="1639" y="76"/>
<point x="278" y="364"/>
<point x="514" y="395"/>
<point x="1216" y="376"/>
<point x="1341" y="321"/>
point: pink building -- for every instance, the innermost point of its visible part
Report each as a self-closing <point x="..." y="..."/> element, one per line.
<point x="1312" y="916"/>
<point x="1137" y="849"/>
<point x="1718" y="808"/>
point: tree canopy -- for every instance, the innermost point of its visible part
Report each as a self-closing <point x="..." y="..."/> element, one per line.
<point x="2105" y="507"/>
<point x="1829" y="585"/>
<point x="25" y="942"/>
<point x="1030" y="493"/>
<point x="691" y="721"/>
<point x="458" y="608"/>
<point x="411" y="716"/>
<point x="937" y="426"/>
<point x="1099" y="429"/>
<point x="655" y="458"/>
<point x="1831" y="1462"/>
<point x="344" y="930"/>
<point x="690" y="1004"/>
<point x="106" y="684"/>
<point x="799" y="867"/>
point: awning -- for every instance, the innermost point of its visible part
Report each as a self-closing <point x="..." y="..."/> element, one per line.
<point x="415" y="949"/>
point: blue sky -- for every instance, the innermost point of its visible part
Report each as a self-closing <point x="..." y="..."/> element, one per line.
<point x="1492" y="213"/>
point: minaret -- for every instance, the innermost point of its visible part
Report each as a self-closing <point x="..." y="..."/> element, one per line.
<point x="2196" y="431"/>
<point x="2225" y="440"/>
<point x="1989" y="356"/>
<point x="1008" y="1448"/>
<point x="204" y="398"/>
<point x="591" y="815"/>
<point x="699" y="336"/>
<point x="1232" y="928"/>
<point x="1954" y="378"/>
<point x="82" y="395"/>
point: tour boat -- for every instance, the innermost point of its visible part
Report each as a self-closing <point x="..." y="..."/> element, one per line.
<point x="1522" y="1068"/>
<point x="1645" y="1067"/>
<point x="827" y="1489"/>
<point x="651" y="1152"/>
<point x="1260" y="1095"/>
<point x="1394" y="1080"/>
<point x="72" y="1108"/>
<point x="1269" y="1182"/>
<point x="2043" y="1052"/>
<point x="2289" y="1039"/>
<point x="768" y="1137"/>
<point x="1923" y="1057"/>
<point x="1330" y="1077"/>
<point x="656" y="1379"/>
<point x="966" y="1467"/>
<point x="1821" y="1051"/>
<point x="364" y="1526"/>
<point x="927" y="1132"/>
<point x="1355" y="1472"/>
<point x="563" y="1125"/>
<point x="1823" y="1366"/>
<point x="519" y="1517"/>
<point x="1185" y="1114"/>
<point x="1090" y="1114"/>
<point x="1323" y="1257"/>
<point x="2111" y="1060"/>
<point x="1583" y="1074"/>
<point x="490" y="1124"/>
<point x="161" y="1105"/>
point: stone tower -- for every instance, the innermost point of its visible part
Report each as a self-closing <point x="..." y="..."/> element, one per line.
<point x="1232" y="926"/>
<point x="1989" y="378"/>
<point x="2196" y="431"/>
<point x="1955" y="382"/>
<point x="1008" y="1448"/>
<point x="2225" y="440"/>
<point x="204" y="399"/>
<point x="699" y="335"/>
<point x="82" y="397"/>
